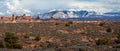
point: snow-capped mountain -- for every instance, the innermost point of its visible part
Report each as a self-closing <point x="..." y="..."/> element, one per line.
<point x="67" y="14"/>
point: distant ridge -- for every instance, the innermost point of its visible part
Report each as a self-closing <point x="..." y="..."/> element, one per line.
<point x="80" y="15"/>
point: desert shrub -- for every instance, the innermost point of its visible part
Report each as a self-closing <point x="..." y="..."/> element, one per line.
<point x="26" y="36"/>
<point x="58" y="49"/>
<point x="37" y="38"/>
<point x="102" y="42"/>
<point x="108" y="30"/>
<point x="12" y="46"/>
<point x="101" y="24"/>
<point x="10" y="41"/>
<point x="45" y="45"/>
<point x="118" y="40"/>
<point x="10" y="38"/>
<point x="56" y="23"/>
<point x="8" y="45"/>
<point x="17" y="46"/>
<point x="2" y="44"/>
<point x="69" y="23"/>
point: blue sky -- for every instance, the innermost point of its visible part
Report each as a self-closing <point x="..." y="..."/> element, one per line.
<point x="28" y="6"/>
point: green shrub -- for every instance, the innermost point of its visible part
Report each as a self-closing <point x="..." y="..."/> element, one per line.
<point x="10" y="41"/>
<point x="101" y="24"/>
<point x="11" y="38"/>
<point x="108" y="30"/>
<point x="2" y="44"/>
<point x="56" y="23"/>
<point x="102" y="42"/>
<point x="69" y="23"/>
<point x="37" y="38"/>
<point x="118" y="40"/>
<point x="26" y="36"/>
<point x="17" y="46"/>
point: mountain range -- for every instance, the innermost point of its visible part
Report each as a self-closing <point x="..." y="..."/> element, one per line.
<point x="67" y="14"/>
<point x="79" y="14"/>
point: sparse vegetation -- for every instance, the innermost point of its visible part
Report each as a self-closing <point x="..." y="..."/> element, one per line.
<point x="108" y="30"/>
<point x="57" y="23"/>
<point x="10" y="41"/>
<point x="51" y="35"/>
<point x="26" y="36"/>
<point x="69" y="23"/>
<point x="118" y="40"/>
<point x="37" y="38"/>
<point x="102" y="42"/>
<point x="11" y="38"/>
<point x="102" y="24"/>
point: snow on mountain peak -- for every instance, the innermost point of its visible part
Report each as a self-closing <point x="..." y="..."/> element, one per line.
<point x="60" y="15"/>
<point x="52" y="10"/>
<point x="72" y="10"/>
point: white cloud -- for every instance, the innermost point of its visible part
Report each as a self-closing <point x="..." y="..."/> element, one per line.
<point x="90" y="6"/>
<point x="45" y="4"/>
<point x="1" y="13"/>
<point x="26" y="6"/>
<point x="12" y="7"/>
<point x="97" y="5"/>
